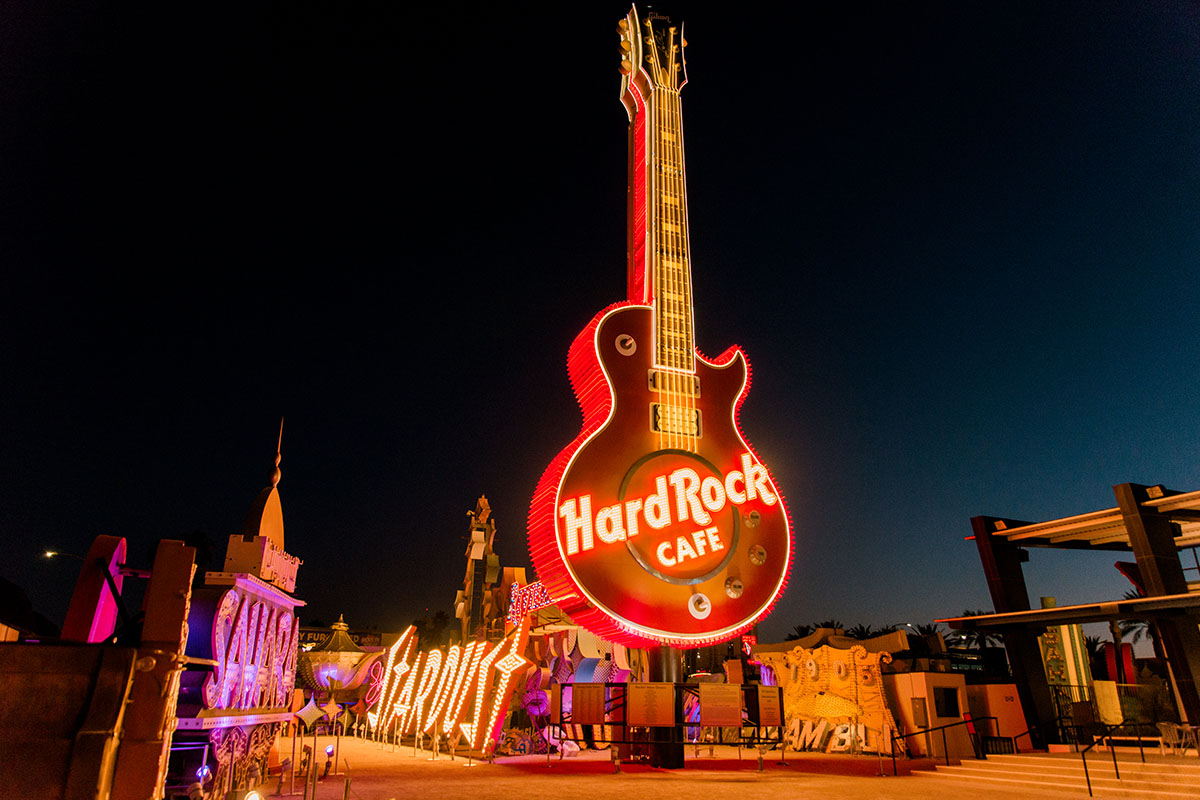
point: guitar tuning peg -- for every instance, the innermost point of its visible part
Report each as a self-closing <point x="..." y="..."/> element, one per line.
<point x="623" y="27"/>
<point x="625" y="46"/>
<point x="626" y="67"/>
<point x="683" y="42"/>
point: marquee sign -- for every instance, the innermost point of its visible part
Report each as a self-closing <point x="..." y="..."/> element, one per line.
<point x="461" y="693"/>
<point x="658" y="524"/>
<point x="254" y="645"/>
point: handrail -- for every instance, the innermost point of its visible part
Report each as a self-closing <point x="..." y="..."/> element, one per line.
<point x="1040" y="727"/>
<point x="1108" y="734"/>
<point x="1083" y="753"/>
<point x="943" y="728"/>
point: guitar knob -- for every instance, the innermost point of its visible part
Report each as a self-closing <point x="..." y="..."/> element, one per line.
<point x="758" y="555"/>
<point x="699" y="606"/>
<point x="626" y="344"/>
<point x="734" y="588"/>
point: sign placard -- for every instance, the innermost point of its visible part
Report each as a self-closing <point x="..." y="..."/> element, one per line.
<point x="587" y="704"/>
<point x="770" y="706"/>
<point x="556" y="704"/>
<point x="720" y="705"/>
<point x="650" y="704"/>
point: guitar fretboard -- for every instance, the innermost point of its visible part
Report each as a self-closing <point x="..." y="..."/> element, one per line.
<point x="671" y="287"/>
<point x="659" y="268"/>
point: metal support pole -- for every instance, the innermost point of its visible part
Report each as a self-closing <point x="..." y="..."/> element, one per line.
<point x="337" y="747"/>
<point x="665" y="665"/>
<point x="292" y="769"/>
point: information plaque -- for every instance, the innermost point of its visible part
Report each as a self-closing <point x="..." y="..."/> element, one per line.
<point x="650" y="704"/>
<point x="770" y="711"/>
<point x="587" y="704"/>
<point x="720" y="705"/>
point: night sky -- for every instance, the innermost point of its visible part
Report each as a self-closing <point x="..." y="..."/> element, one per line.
<point x="959" y="243"/>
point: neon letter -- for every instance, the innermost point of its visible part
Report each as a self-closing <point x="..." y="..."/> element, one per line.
<point x="631" y="511"/>
<point x="609" y="526"/>
<point x="733" y="477"/>
<point x="687" y="483"/>
<point x="714" y="541"/>
<point x="756" y="480"/>
<point x="577" y="522"/>
<point x="712" y="494"/>
<point x="658" y="514"/>
<point x="663" y="558"/>
<point x="683" y="549"/>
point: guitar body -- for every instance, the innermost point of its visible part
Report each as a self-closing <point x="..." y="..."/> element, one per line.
<point x="699" y="578"/>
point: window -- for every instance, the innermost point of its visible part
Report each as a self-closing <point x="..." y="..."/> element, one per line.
<point x="945" y="701"/>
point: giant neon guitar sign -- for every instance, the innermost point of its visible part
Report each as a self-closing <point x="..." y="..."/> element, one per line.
<point x="658" y="524"/>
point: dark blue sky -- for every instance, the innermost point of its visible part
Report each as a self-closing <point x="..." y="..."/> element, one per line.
<point x="959" y="243"/>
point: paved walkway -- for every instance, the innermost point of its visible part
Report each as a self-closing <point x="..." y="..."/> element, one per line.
<point x="380" y="774"/>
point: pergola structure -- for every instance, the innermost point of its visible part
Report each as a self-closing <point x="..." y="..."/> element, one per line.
<point x="1153" y="523"/>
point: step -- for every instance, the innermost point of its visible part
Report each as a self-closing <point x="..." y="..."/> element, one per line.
<point x="1159" y="777"/>
<point x="1075" y="787"/>
<point x="1167" y="767"/>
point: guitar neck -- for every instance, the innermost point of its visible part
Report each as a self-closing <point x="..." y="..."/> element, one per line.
<point x="659" y="272"/>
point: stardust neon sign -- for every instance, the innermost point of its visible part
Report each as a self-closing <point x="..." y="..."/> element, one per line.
<point x="463" y="692"/>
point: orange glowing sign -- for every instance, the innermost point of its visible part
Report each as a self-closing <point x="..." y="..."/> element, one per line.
<point x="462" y="693"/>
<point x="658" y="524"/>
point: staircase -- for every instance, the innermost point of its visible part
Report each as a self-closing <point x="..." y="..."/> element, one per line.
<point x="1161" y="776"/>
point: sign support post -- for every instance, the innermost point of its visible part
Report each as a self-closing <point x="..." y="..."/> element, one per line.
<point x="665" y="665"/>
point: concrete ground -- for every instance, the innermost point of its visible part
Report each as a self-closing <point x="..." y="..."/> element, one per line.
<point x="378" y="773"/>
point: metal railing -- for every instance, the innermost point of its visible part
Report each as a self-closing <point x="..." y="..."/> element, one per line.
<point x="1107" y="735"/>
<point x="971" y="732"/>
<point x="1079" y="731"/>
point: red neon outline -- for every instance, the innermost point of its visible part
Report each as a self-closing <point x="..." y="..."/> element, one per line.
<point x="596" y="401"/>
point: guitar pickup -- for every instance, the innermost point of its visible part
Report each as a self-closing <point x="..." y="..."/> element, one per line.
<point x="675" y="419"/>
<point x="674" y="382"/>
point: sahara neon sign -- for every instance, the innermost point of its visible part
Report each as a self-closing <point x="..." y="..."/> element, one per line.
<point x="461" y="693"/>
<point x="254" y="644"/>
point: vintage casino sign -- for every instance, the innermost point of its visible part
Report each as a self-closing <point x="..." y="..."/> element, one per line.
<point x="253" y="644"/>
<point x="658" y="524"/>
<point x="461" y="693"/>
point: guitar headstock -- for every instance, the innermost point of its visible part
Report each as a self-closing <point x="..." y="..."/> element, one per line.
<point x="652" y="48"/>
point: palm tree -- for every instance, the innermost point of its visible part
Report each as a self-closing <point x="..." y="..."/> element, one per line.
<point x="1095" y="651"/>
<point x="1134" y="630"/>
<point x="860" y="631"/>
<point x="800" y="631"/>
<point x="975" y="638"/>
<point x="830" y="623"/>
<point x="930" y="629"/>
